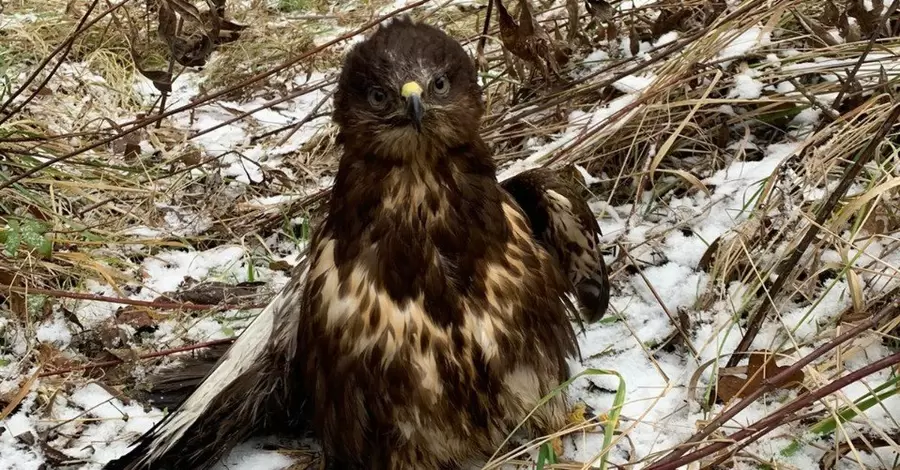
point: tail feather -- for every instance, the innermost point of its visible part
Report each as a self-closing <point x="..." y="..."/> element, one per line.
<point x="561" y="219"/>
<point x="170" y="387"/>
<point x="245" y="388"/>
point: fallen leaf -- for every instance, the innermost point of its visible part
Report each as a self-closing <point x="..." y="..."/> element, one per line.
<point x="529" y="41"/>
<point x="599" y="9"/>
<point x="136" y="317"/>
<point x="759" y="369"/>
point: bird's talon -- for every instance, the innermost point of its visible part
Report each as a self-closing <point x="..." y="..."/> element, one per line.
<point x="557" y="445"/>
<point x="581" y="414"/>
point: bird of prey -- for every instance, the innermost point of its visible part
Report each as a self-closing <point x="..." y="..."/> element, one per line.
<point x="430" y="315"/>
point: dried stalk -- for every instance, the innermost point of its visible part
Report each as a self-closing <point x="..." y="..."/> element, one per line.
<point x="165" y="352"/>
<point x="823" y="213"/>
<point x="121" y="300"/>
<point x="760" y="428"/>
<point x="892" y="308"/>
<point x="142" y="123"/>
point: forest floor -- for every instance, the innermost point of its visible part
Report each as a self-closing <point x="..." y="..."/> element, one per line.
<point x="743" y="157"/>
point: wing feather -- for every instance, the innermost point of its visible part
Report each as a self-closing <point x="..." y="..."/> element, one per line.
<point x="562" y="221"/>
<point x="232" y="400"/>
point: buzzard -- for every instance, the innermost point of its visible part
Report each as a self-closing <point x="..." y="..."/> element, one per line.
<point x="431" y="313"/>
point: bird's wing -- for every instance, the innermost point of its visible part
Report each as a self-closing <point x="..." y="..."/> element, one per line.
<point x="562" y="221"/>
<point x="171" y="386"/>
<point x="232" y="400"/>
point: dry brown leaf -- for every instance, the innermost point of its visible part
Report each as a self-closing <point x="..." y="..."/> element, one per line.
<point x="831" y="16"/>
<point x="759" y="369"/>
<point x="850" y="29"/>
<point x="529" y="41"/>
<point x="574" y="12"/>
<point x="669" y="19"/>
<point x="634" y="41"/>
<point x="136" y="317"/>
<point x="612" y="32"/>
<point x="815" y="28"/>
<point x="599" y="9"/>
<point x="14" y="300"/>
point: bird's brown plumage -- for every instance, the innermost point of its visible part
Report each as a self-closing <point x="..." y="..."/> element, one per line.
<point x="432" y="320"/>
<point x="435" y="321"/>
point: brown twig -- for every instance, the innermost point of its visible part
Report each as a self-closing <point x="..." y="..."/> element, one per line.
<point x="823" y="213"/>
<point x="121" y="300"/>
<point x="484" y="33"/>
<point x="675" y="322"/>
<point x="769" y="384"/>
<point x="755" y="431"/>
<point x="873" y="38"/>
<point x="294" y="126"/>
<point x="266" y="105"/>
<point x="66" y="48"/>
<point x="309" y="117"/>
<point x="165" y="352"/>
<point x="142" y="123"/>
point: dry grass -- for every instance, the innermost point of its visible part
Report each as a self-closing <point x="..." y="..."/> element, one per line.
<point x="68" y="223"/>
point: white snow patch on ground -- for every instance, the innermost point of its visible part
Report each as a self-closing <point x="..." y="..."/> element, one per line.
<point x="744" y="42"/>
<point x="55" y="331"/>
<point x="655" y="398"/>
<point x="746" y="86"/>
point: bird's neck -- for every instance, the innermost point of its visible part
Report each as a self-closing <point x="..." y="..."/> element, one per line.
<point x="419" y="194"/>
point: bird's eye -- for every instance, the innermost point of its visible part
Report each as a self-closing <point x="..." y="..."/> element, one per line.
<point x="377" y="98"/>
<point x="441" y="85"/>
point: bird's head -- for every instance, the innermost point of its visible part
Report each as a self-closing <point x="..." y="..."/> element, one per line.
<point x="406" y="91"/>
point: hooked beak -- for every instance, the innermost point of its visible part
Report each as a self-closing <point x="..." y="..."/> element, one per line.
<point x="412" y="92"/>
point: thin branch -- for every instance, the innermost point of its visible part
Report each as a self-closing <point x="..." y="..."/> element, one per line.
<point x="121" y="300"/>
<point x="142" y="123"/>
<point x="776" y="418"/>
<point x="165" y="352"/>
<point x="767" y="385"/>
<point x="823" y="213"/>
<point x="484" y="33"/>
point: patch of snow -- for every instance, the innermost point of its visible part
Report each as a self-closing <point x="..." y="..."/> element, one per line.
<point x="579" y="123"/>
<point x="743" y="43"/>
<point x="90" y="313"/>
<point x="55" y="331"/>
<point x="15" y="454"/>
<point x="746" y="87"/>
<point x="251" y="456"/>
<point x="166" y="271"/>
<point x="634" y="83"/>
<point x="595" y="59"/>
<point x="117" y="424"/>
<point x="667" y="38"/>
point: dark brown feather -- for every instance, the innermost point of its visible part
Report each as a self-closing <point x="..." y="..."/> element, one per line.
<point x="561" y="219"/>
<point x="168" y="387"/>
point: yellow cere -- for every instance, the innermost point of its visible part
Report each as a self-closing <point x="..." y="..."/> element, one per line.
<point x="410" y="88"/>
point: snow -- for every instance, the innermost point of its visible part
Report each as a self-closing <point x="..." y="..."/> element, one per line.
<point x="55" y="331"/>
<point x="746" y="86"/>
<point x="168" y="269"/>
<point x="667" y="241"/>
<point x="744" y="42"/>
